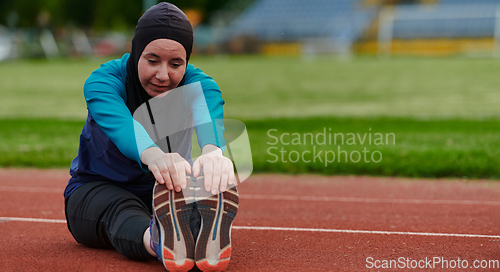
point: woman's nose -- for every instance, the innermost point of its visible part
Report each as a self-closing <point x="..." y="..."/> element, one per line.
<point x="162" y="73"/>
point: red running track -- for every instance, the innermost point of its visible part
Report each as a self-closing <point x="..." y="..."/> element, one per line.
<point x="285" y="223"/>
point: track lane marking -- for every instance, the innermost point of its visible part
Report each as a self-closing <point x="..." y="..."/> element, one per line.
<point x="61" y="221"/>
<point x="38" y="220"/>
<point x="368" y="232"/>
<point x="369" y="200"/>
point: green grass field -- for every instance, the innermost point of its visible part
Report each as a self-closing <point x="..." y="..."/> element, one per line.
<point x="256" y="87"/>
<point x="443" y="111"/>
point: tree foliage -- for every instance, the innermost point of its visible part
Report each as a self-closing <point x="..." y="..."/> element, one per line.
<point x="108" y="14"/>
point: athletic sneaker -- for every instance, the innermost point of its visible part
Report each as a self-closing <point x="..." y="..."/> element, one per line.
<point x="171" y="237"/>
<point x="213" y="244"/>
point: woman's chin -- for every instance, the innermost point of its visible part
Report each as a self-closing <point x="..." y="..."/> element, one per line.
<point x="155" y="92"/>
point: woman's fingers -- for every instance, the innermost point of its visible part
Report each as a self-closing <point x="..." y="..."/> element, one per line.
<point x="232" y="177"/>
<point x="196" y="168"/>
<point x="170" y="169"/>
<point x="181" y="167"/>
<point x="174" y="174"/>
<point x="216" y="177"/>
<point x="156" y="173"/>
<point x="161" y="173"/>
<point x="225" y="176"/>
<point x="187" y="167"/>
<point x="166" y="176"/>
<point x="186" y="170"/>
<point x="218" y="172"/>
<point x="208" y="171"/>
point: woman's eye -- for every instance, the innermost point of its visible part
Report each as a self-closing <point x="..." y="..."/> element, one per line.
<point x="152" y="61"/>
<point x="176" y="65"/>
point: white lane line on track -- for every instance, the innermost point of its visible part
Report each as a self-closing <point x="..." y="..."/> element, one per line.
<point x="39" y="220"/>
<point x="43" y="220"/>
<point x="369" y="200"/>
<point x="369" y="232"/>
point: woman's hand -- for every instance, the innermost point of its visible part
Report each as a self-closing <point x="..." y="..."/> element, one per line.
<point x="168" y="168"/>
<point x="217" y="169"/>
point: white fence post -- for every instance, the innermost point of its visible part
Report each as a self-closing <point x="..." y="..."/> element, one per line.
<point x="385" y="29"/>
<point x="496" y="34"/>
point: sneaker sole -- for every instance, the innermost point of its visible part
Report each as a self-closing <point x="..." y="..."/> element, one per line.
<point x="172" y="213"/>
<point x="213" y="246"/>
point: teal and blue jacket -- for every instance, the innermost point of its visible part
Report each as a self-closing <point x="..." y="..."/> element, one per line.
<point x="111" y="142"/>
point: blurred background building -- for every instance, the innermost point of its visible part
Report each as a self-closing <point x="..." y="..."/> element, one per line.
<point x="61" y="28"/>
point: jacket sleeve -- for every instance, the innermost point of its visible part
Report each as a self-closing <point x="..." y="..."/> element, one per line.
<point x="105" y="94"/>
<point x="211" y="130"/>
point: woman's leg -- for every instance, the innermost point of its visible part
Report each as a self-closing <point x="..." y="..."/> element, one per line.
<point x="146" y="240"/>
<point x="103" y="215"/>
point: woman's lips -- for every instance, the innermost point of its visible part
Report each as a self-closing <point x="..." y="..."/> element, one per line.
<point x="160" y="87"/>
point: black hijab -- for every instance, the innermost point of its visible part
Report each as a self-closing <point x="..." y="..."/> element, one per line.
<point x="162" y="21"/>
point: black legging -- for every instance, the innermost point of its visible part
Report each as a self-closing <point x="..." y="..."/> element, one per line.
<point x="103" y="215"/>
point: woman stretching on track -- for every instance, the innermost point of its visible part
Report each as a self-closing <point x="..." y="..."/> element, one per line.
<point x="125" y="192"/>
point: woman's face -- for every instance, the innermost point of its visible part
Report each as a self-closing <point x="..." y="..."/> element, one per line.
<point x="161" y="66"/>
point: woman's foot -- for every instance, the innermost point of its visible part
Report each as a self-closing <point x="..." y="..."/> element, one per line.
<point x="171" y="237"/>
<point x="213" y="246"/>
